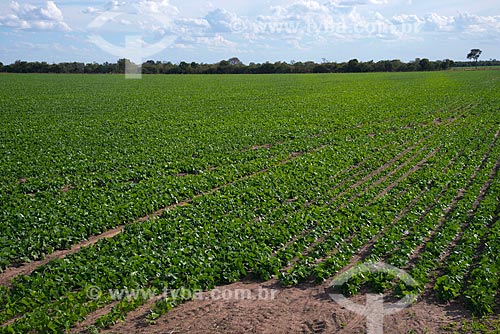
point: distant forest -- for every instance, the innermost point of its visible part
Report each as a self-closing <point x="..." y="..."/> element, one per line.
<point x="235" y="66"/>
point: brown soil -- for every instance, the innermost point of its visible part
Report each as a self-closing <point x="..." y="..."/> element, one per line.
<point x="91" y="318"/>
<point x="408" y="173"/>
<point x="350" y="200"/>
<point x="358" y="183"/>
<point x="256" y="147"/>
<point x="304" y="309"/>
<point x="386" y="165"/>
<point x="67" y="188"/>
<point x="366" y="250"/>
<point x="487" y="184"/>
<point x="452" y="161"/>
<point x="460" y="194"/>
<point x="28" y="268"/>
<point x="475" y="205"/>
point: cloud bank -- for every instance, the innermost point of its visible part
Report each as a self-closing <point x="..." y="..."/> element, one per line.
<point x="26" y="16"/>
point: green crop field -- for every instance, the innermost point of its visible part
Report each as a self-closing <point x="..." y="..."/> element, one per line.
<point x="218" y="178"/>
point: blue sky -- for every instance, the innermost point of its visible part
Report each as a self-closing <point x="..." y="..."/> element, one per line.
<point x="254" y="31"/>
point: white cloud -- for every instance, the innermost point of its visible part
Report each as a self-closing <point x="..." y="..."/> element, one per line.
<point x="346" y="6"/>
<point x="298" y="19"/>
<point x="90" y="10"/>
<point x="299" y="25"/>
<point x="306" y="21"/>
<point x="212" y="42"/>
<point x="13" y="21"/>
<point x="148" y="16"/>
<point x="46" y="46"/>
<point x="460" y="24"/>
<point x="305" y="6"/>
<point x="51" y="12"/>
<point x="115" y="5"/>
<point x="470" y="23"/>
<point x="404" y="18"/>
<point x="223" y="21"/>
<point x="312" y="23"/>
<point x="26" y="16"/>
<point x="435" y="22"/>
<point x="160" y="7"/>
<point x="194" y="27"/>
<point x="216" y="41"/>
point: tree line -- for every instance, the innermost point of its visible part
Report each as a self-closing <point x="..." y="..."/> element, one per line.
<point x="235" y="66"/>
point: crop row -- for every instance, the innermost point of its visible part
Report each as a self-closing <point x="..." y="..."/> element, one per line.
<point x="358" y="225"/>
<point x="74" y="212"/>
<point x="464" y="220"/>
<point x="218" y="226"/>
<point x="328" y="178"/>
<point x="209" y="234"/>
<point x="75" y="165"/>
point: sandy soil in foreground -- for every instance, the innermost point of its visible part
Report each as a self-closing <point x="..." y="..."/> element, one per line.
<point x="303" y="309"/>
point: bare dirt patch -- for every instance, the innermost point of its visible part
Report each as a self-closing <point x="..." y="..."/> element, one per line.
<point x="460" y="194"/>
<point x="91" y="318"/>
<point x="256" y="147"/>
<point x="438" y="121"/>
<point x="405" y="175"/>
<point x="66" y="188"/>
<point x="28" y="268"/>
<point x="304" y="309"/>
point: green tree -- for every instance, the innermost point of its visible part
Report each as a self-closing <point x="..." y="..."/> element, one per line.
<point x="150" y="67"/>
<point x="121" y="64"/>
<point x="234" y="61"/>
<point x="92" y="68"/>
<point x="424" y="65"/>
<point x="446" y="64"/>
<point x="353" y="66"/>
<point x="184" y="67"/>
<point x="474" y="54"/>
